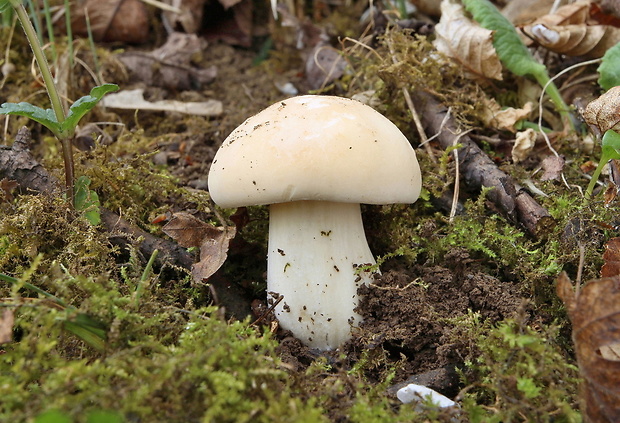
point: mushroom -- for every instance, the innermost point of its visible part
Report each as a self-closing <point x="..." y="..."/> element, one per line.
<point x="314" y="159"/>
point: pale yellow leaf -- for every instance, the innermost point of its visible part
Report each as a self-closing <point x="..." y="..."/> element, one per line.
<point x="504" y="118"/>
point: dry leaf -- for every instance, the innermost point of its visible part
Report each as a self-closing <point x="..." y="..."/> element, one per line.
<point x="7" y="187"/>
<point x="552" y="167"/>
<point x="611" y="259"/>
<point x="324" y="65"/>
<point x="572" y="31"/>
<point x="113" y="20"/>
<point x="503" y="118"/>
<point x="189" y="231"/>
<point x="524" y="144"/>
<point x="604" y="112"/>
<point x="466" y="42"/>
<point x="595" y="313"/>
<point x="6" y="326"/>
<point x="171" y="65"/>
<point x="190" y="17"/>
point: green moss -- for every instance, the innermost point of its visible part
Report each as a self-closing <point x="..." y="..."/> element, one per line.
<point x="518" y="374"/>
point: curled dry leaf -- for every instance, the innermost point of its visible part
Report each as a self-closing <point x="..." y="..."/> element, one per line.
<point x="571" y="30"/>
<point x="524" y="144"/>
<point x="464" y="41"/>
<point x="604" y="112"/>
<point x="189" y="231"/>
<point x="504" y="118"/>
<point x="595" y="314"/>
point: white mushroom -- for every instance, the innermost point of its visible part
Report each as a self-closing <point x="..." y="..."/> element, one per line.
<point x="314" y="159"/>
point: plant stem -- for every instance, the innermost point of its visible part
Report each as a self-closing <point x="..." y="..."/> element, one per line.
<point x="52" y="92"/>
<point x="46" y="74"/>
<point x="552" y="91"/>
<point x="595" y="177"/>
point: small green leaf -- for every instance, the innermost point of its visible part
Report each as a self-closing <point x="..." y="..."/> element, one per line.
<point x="52" y="416"/>
<point x="45" y="117"/>
<point x="87" y="200"/>
<point x="611" y="140"/>
<point x="528" y="387"/>
<point x="84" y="105"/>
<point x="609" y="69"/>
<point x="104" y="417"/>
<point x="610" y="150"/>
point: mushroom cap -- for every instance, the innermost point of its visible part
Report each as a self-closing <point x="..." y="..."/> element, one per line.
<point x="313" y="147"/>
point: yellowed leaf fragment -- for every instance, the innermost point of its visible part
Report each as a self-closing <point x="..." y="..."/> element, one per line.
<point x="524" y="144"/>
<point x="466" y="42"/>
<point x="504" y="118"/>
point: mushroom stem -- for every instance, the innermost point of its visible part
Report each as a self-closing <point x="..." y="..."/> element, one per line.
<point x="314" y="250"/>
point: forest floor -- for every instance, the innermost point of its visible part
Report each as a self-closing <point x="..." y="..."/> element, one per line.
<point x="466" y="302"/>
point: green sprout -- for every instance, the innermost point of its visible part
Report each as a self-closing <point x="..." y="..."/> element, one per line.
<point x="610" y="151"/>
<point x="61" y="124"/>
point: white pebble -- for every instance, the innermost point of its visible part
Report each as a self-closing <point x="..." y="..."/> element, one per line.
<point x="419" y="393"/>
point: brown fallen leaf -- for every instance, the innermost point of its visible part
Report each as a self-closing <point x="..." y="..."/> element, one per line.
<point x="595" y="314"/>
<point x="7" y="186"/>
<point x="552" y="168"/>
<point x="603" y="113"/>
<point x="524" y="144"/>
<point x="113" y="20"/>
<point x="464" y="41"/>
<point x="611" y="258"/>
<point x="571" y="30"/>
<point x="189" y="231"/>
<point x="6" y="326"/>
<point x="171" y="65"/>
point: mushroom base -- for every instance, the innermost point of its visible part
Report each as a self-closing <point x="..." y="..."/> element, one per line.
<point x="315" y="248"/>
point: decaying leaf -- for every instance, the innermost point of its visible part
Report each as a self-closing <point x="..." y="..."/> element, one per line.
<point x="552" y="168"/>
<point x="189" y="231"/>
<point x="503" y="118"/>
<point x="189" y="17"/>
<point x="604" y="112"/>
<point x="611" y="258"/>
<point x="7" y="186"/>
<point x="112" y="20"/>
<point x="572" y="30"/>
<point x="6" y="326"/>
<point x="595" y="314"/>
<point x="461" y="39"/>
<point x="524" y="144"/>
<point x="171" y="65"/>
